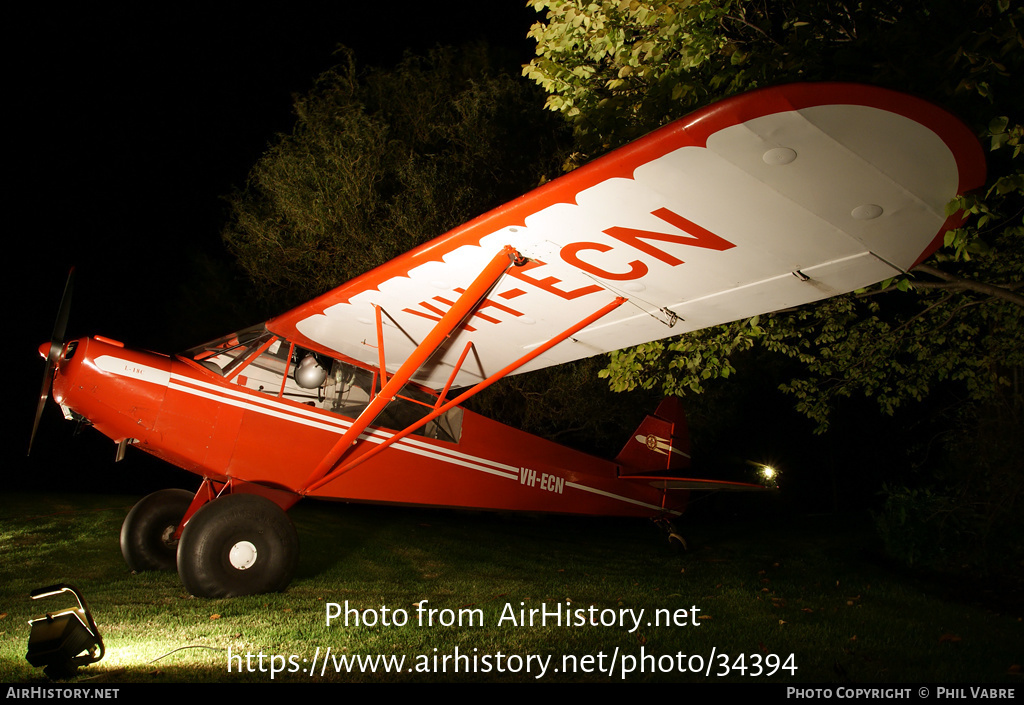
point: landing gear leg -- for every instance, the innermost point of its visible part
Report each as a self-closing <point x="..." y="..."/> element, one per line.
<point x="240" y="544"/>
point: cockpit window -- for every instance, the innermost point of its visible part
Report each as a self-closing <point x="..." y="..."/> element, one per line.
<point x="350" y="390"/>
<point x="283" y="370"/>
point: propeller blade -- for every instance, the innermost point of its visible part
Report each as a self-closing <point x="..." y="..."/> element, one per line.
<point x="56" y="345"/>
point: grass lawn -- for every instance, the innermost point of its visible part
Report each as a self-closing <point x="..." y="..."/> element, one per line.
<point x="804" y="601"/>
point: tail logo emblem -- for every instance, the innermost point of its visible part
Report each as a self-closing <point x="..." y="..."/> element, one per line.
<point x="656" y="444"/>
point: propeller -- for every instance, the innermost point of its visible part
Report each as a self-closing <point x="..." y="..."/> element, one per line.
<point x="56" y="345"/>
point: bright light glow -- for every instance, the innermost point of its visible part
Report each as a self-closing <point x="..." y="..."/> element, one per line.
<point x="768" y="472"/>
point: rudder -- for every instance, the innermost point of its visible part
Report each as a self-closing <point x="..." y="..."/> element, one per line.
<point x="660" y="443"/>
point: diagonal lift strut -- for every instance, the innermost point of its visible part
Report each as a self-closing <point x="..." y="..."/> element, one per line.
<point x="460" y="310"/>
<point x="478" y="387"/>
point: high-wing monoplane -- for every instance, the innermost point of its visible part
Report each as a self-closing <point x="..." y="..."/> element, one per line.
<point x="761" y="202"/>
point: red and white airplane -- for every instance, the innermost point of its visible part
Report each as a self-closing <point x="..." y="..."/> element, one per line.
<point x="764" y="201"/>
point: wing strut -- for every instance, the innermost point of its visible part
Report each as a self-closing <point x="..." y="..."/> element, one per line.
<point x="314" y="483"/>
<point x="458" y="313"/>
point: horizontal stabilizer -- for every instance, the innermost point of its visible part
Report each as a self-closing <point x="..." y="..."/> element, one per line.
<point x="693" y="483"/>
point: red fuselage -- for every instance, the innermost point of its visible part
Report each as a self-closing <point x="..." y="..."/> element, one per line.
<point x="242" y="429"/>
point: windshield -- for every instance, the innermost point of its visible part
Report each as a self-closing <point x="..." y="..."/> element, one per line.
<point x="227" y="352"/>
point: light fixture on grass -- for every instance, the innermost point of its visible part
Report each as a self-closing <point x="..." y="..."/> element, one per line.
<point x="62" y="641"/>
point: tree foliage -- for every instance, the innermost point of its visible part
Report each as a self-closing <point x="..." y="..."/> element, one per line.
<point x="381" y="160"/>
<point x="618" y="68"/>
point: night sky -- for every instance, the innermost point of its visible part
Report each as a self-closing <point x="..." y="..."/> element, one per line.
<point x="128" y="128"/>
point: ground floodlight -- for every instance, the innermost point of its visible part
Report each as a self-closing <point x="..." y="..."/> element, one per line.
<point x="62" y="641"/>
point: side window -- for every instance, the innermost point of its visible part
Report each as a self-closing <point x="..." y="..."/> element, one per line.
<point x="345" y="389"/>
<point x="353" y="389"/>
<point x="265" y="373"/>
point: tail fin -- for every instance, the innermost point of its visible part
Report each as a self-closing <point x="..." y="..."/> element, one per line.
<point x="662" y="442"/>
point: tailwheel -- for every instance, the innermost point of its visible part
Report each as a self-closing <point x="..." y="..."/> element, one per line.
<point x="675" y="539"/>
<point x="147" y="533"/>
<point x="677" y="542"/>
<point x="241" y="544"/>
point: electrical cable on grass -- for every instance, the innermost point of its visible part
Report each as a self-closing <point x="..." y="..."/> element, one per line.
<point x="181" y="648"/>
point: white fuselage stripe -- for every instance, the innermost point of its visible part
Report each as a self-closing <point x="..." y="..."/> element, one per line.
<point x="281" y="410"/>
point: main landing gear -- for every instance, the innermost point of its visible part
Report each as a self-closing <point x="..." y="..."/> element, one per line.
<point x="241" y="544"/>
<point x="238" y="544"/>
<point x="147" y="534"/>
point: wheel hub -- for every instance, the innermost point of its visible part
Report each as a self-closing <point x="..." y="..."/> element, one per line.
<point x="167" y="537"/>
<point x="242" y="555"/>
